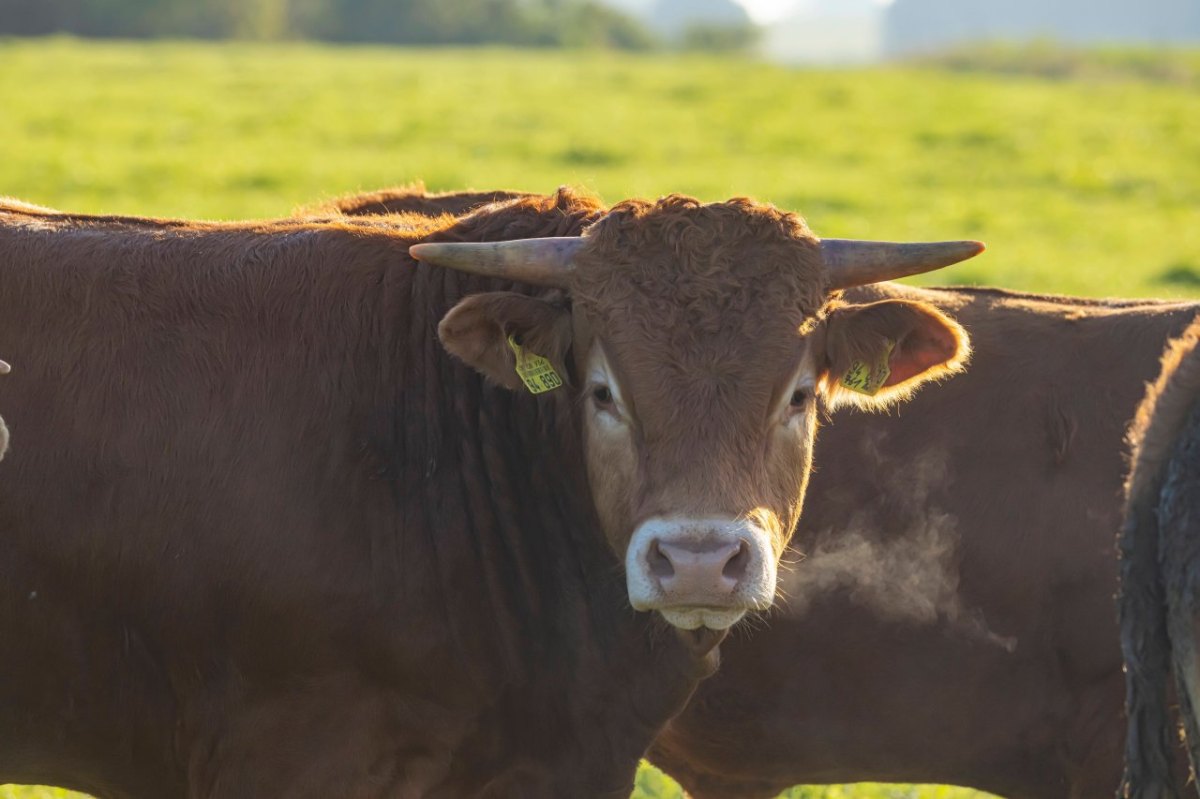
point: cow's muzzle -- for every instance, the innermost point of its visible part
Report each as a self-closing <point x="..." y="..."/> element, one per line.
<point x="700" y="572"/>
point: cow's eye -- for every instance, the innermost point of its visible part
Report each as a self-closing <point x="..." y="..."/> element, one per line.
<point x="602" y="396"/>
<point x="799" y="398"/>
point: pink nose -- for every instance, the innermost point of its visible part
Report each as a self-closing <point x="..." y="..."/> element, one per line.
<point x="698" y="573"/>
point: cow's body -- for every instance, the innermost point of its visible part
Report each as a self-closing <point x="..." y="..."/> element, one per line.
<point x="262" y="537"/>
<point x="1160" y="573"/>
<point x="963" y="629"/>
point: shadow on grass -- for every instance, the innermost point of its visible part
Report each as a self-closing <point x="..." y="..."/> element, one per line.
<point x="1180" y="274"/>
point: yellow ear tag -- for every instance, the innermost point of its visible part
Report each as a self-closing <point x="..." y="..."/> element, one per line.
<point x="868" y="379"/>
<point x="535" y="371"/>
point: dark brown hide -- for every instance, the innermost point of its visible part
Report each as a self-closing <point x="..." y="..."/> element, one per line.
<point x="264" y="538"/>
<point x="1160" y="558"/>
<point x="1016" y="465"/>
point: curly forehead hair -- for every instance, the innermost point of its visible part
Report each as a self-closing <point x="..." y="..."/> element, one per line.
<point x="730" y="257"/>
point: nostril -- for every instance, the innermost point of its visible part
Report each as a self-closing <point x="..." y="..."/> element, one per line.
<point x="735" y="567"/>
<point x="660" y="563"/>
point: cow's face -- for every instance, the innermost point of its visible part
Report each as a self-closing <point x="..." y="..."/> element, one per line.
<point x="702" y="340"/>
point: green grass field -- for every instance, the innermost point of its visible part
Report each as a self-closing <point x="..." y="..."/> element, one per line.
<point x="1083" y="179"/>
<point x="1086" y="186"/>
<point x="653" y="785"/>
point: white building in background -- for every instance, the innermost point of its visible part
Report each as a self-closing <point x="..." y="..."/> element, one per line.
<point x="827" y="32"/>
<point x="793" y="31"/>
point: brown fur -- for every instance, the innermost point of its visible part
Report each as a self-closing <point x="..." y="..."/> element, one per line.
<point x="699" y="307"/>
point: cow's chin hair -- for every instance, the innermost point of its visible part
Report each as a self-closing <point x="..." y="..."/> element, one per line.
<point x="695" y="618"/>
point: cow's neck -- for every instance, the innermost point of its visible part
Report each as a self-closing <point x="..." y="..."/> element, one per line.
<point x="494" y="507"/>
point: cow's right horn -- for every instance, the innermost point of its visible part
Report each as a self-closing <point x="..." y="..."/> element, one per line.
<point x="542" y="262"/>
<point x="857" y="263"/>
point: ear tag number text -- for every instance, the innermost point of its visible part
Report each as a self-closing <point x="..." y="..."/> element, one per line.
<point x="869" y="378"/>
<point x="535" y="372"/>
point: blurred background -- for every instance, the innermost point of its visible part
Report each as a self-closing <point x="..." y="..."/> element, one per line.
<point x="814" y="31"/>
<point x="1066" y="134"/>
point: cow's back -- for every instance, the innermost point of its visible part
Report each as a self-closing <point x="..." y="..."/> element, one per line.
<point x="415" y="200"/>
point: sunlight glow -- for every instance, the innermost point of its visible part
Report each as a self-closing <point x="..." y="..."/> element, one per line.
<point x="767" y="11"/>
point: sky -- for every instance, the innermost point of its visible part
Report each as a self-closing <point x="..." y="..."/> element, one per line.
<point x="764" y="11"/>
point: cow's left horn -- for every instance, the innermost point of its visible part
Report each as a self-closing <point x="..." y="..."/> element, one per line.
<point x="542" y="262"/>
<point x="856" y="263"/>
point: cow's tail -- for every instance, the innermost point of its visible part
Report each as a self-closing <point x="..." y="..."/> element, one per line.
<point x="1142" y="601"/>
<point x="1149" y="773"/>
<point x="1179" y="564"/>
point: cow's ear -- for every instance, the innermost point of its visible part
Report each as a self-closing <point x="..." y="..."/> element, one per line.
<point x="487" y="331"/>
<point x="878" y="354"/>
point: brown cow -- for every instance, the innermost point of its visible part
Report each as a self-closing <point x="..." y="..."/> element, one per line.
<point x="264" y="538"/>
<point x="962" y="630"/>
<point x="1160" y="543"/>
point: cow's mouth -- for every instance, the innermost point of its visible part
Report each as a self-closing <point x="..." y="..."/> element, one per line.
<point x="689" y="618"/>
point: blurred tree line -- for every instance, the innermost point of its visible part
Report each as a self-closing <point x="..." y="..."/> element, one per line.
<point x="544" y="23"/>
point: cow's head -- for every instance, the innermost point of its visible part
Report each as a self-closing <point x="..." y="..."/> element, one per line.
<point x="702" y="339"/>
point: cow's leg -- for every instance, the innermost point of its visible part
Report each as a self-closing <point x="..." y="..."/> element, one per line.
<point x="350" y="738"/>
<point x="701" y="783"/>
<point x="331" y="737"/>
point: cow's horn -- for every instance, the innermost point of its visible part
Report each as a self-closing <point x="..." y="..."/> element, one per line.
<point x="542" y="262"/>
<point x="856" y="263"/>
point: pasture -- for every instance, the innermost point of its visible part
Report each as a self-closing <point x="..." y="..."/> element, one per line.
<point x="1087" y="185"/>
<point x="1081" y="181"/>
